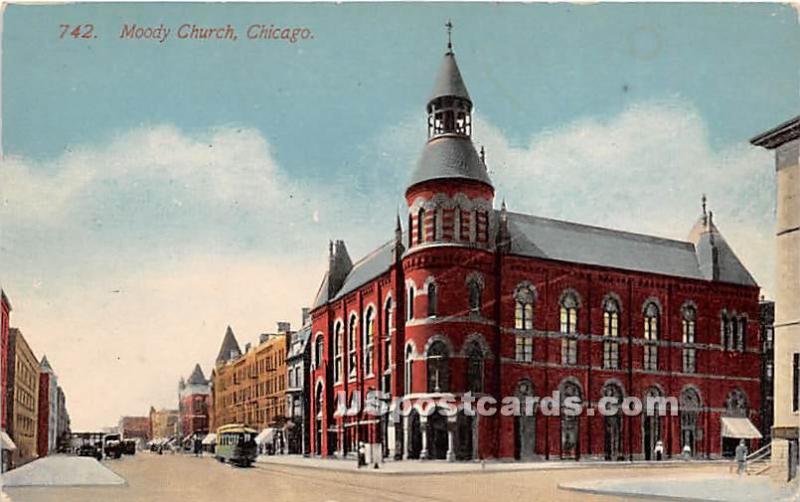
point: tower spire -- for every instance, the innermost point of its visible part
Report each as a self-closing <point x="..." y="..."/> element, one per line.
<point x="449" y="26"/>
<point x="705" y="215"/>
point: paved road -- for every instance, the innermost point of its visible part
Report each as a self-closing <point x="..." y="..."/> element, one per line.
<point x="170" y="478"/>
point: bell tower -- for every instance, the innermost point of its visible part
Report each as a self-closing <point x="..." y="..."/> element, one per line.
<point x="450" y="194"/>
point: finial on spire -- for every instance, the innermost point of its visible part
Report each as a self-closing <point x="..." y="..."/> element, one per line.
<point x="449" y="26"/>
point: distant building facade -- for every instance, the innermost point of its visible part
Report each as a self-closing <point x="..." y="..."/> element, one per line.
<point x="194" y="405"/>
<point x="6" y="443"/>
<point x="47" y="433"/>
<point x="135" y="428"/>
<point x="63" y="428"/>
<point x="784" y="140"/>
<point x="164" y="423"/>
<point x="250" y="387"/>
<point x="23" y="398"/>
<point x="767" y="321"/>
<point x="298" y="365"/>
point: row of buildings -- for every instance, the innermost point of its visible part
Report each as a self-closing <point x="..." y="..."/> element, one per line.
<point x="34" y="421"/>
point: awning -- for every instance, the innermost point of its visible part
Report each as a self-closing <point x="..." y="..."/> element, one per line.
<point x="265" y="436"/>
<point x="739" y="428"/>
<point x="6" y="442"/>
<point x="210" y="439"/>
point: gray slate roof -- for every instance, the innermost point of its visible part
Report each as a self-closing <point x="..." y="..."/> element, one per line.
<point x="229" y="346"/>
<point x="450" y="156"/>
<point x="550" y="239"/>
<point x="368" y="268"/>
<point x="197" y="376"/>
<point x="572" y="242"/>
<point x="449" y="81"/>
<point x="299" y="340"/>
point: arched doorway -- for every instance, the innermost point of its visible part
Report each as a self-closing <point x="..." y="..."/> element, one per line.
<point x="570" y="426"/>
<point x="318" y="420"/>
<point x="524" y="424"/>
<point x="612" y="438"/>
<point x="414" y="434"/>
<point x="464" y="432"/>
<point x="689" y="409"/>
<point x="437" y="436"/>
<point x="651" y="422"/>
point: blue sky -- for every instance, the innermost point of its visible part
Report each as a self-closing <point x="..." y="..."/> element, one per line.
<point x="154" y="193"/>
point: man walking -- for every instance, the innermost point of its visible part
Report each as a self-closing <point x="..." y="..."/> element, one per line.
<point x="741" y="457"/>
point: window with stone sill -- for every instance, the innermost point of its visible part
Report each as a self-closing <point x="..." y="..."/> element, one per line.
<point x="524" y="349"/>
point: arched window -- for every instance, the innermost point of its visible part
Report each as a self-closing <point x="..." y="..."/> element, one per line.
<point x="651" y="324"/>
<point x="410" y="230"/>
<point x="438" y="361"/>
<point x="475" y="293"/>
<point x="740" y="342"/>
<point x="368" y="345"/>
<point x="725" y="331"/>
<point x="338" y="348"/>
<point x="410" y="303"/>
<point x="523" y="310"/>
<point x="420" y="226"/>
<point x="457" y="224"/>
<point x="610" y="334"/>
<point x="351" y="347"/>
<point x="318" y="348"/>
<point x="408" y="376"/>
<point x="689" y="408"/>
<point x="474" y="368"/>
<point x="473" y="225"/>
<point x="736" y="404"/>
<point x="688" y="325"/>
<point x="387" y="335"/>
<point x="437" y="224"/>
<point x="569" y="328"/>
<point x="432" y="300"/>
<point x="613" y="423"/>
<point x="570" y="422"/>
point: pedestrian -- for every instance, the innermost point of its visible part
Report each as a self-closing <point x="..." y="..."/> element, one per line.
<point x="741" y="457"/>
<point x="659" y="450"/>
<point x="361" y="455"/>
<point x="196" y="446"/>
<point x="687" y="451"/>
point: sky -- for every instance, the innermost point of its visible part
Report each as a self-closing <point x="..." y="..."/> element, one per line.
<point x="152" y="194"/>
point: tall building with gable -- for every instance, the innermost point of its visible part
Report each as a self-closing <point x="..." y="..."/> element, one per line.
<point x="473" y="298"/>
<point x="195" y="401"/>
<point x="48" y="410"/>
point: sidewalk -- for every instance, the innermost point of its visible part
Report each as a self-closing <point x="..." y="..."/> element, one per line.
<point x="413" y="467"/>
<point x="694" y="487"/>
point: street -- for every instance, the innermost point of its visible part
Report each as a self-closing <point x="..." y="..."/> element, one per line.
<point x="155" y="478"/>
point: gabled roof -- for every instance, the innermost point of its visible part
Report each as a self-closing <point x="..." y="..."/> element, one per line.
<point x="197" y="377"/>
<point x="299" y="342"/>
<point x="449" y="156"/>
<point x="229" y="348"/>
<point x="449" y="81"/>
<point x="367" y="268"/>
<point x="716" y="259"/>
<point x="45" y="364"/>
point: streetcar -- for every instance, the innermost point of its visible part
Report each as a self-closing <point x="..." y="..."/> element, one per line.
<point x="236" y="444"/>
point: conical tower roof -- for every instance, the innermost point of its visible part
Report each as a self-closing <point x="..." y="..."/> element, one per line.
<point x="197" y="377"/>
<point x="449" y="81"/>
<point x="229" y="348"/>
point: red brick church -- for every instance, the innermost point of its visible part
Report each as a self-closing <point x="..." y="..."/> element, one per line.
<point x="472" y="298"/>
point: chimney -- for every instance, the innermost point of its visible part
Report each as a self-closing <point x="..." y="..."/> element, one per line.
<point x="306" y="315"/>
<point x="247" y="347"/>
<point x="284" y="327"/>
<point x="263" y="337"/>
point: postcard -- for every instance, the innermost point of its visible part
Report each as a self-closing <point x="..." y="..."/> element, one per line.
<point x="399" y="251"/>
